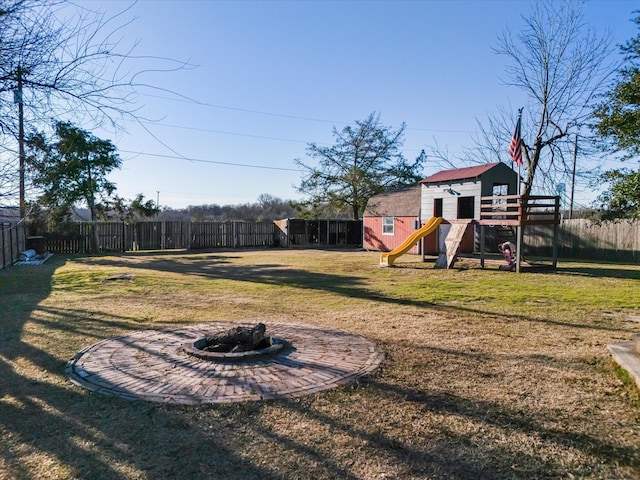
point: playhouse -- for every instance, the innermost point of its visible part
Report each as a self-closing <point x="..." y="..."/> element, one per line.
<point x="455" y="194"/>
<point x="458" y="210"/>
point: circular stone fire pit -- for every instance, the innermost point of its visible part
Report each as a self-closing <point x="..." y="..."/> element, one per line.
<point x="161" y="365"/>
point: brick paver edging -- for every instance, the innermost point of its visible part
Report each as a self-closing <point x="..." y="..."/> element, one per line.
<point x="150" y="365"/>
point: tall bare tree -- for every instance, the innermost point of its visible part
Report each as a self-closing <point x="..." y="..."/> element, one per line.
<point x="560" y="64"/>
<point x="64" y="62"/>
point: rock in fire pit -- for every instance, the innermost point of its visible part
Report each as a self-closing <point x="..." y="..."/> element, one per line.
<point x="235" y="343"/>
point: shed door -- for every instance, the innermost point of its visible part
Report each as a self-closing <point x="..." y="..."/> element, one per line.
<point x="437" y="207"/>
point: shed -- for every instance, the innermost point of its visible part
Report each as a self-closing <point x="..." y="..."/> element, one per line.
<point x="390" y="217"/>
<point x="296" y="232"/>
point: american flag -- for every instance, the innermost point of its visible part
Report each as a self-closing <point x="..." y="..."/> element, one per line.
<point x="515" y="147"/>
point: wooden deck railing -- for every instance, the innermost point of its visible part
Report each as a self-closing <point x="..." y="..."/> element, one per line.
<point x="511" y="210"/>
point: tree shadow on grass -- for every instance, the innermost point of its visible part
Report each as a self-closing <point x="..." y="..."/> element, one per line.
<point x="543" y="446"/>
<point x="542" y="266"/>
<point x="52" y="429"/>
<point x="600" y="271"/>
<point x="442" y="450"/>
<point x="214" y="266"/>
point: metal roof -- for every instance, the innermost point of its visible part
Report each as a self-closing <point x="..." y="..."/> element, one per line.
<point x="459" y="174"/>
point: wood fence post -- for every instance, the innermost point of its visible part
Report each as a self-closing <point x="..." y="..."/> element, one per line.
<point x="235" y="235"/>
<point x="2" y="246"/>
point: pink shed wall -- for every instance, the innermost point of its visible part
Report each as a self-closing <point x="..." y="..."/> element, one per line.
<point x="375" y="240"/>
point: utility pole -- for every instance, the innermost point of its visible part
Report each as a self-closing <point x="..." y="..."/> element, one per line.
<point x="18" y="99"/>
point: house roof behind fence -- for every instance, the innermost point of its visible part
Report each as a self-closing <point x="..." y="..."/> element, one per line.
<point x="398" y="203"/>
<point x="467" y="173"/>
<point x="10" y="215"/>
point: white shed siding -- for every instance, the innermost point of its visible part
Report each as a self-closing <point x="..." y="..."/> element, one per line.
<point x="456" y="184"/>
<point x="449" y="199"/>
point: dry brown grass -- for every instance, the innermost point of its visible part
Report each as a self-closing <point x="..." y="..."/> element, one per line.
<point x="487" y="374"/>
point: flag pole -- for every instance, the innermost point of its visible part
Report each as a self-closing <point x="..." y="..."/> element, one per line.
<point x="519" y="179"/>
<point x="515" y="151"/>
<point x="519" y="189"/>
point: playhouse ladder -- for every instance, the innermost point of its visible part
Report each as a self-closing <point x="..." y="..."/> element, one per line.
<point x="452" y="243"/>
<point x="505" y="233"/>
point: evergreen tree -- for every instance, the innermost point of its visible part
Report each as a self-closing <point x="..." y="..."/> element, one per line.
<point x="364" y="161"/>
<point x="72" y="170"/>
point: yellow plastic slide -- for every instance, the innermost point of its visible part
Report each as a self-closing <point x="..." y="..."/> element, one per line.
<point x="388" y="258"/>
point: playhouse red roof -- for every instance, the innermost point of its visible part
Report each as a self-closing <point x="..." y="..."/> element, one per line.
<point x="459" y="173"/>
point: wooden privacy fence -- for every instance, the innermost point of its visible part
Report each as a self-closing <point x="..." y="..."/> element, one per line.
<point x="576" y="238"/>
<point x="119" y="236"/>
<point x="12" y="243"/>
<point x="583" y="239"/>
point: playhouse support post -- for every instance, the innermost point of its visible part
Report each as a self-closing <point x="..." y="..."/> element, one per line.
<point x="555" y="245"/>
<point x="556" y="228"/>
<point x="518" y="247"/>
<point x="482" y="245"/>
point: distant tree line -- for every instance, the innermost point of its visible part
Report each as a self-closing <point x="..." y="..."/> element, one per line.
<point x="267" y="208"/>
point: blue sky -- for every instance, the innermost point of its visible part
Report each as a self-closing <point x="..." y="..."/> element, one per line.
<point x="272" y="76"/>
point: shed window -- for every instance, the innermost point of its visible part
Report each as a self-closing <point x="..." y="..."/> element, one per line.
<point x="387" y="225"/>
<point x="465" y="207"/>
<point x="500" y="189"/>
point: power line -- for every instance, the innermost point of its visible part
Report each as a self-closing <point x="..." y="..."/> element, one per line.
<point x="245" y="110"/>
<point x="200" y="160"/>
<point x="283" y="115"/>
<point x="439" y="130"/>
<point x="260" y="137"/>
<point x="222" y="132"/>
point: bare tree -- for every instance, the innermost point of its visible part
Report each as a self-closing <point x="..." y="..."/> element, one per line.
<point x="64" y="62"/>
<point x="439" y="157"/>
<point x="561" y="65"/>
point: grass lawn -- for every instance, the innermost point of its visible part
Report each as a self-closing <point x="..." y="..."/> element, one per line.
<point x="487" y="374"/>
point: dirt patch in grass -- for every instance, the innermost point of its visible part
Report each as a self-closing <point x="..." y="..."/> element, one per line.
<point x="487" y="374"/>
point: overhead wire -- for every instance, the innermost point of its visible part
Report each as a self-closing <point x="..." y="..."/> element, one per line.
<point x="222" y="132"/>
<point x="283" y="115"/>
<point x="146" y="125"/>
<point x="218" y="162"/>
